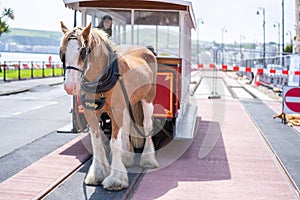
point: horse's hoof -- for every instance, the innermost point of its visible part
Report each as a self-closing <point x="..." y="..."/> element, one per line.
<point x="148" y="161"/>
<point x="111" y="183"/>
<point x="92" y="180"/>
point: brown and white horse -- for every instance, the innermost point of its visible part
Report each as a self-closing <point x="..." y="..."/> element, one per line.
<point x="100" y="76"/>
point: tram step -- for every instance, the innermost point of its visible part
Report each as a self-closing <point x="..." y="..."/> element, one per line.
<point x="185" y="129"/>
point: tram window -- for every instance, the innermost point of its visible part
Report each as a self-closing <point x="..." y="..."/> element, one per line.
<point x="156" y="18"/>
<point x="158" y="29"/>
<point x="89" y="19"/>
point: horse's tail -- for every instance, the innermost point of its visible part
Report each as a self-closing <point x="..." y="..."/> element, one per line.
<point x="137" y="141"/>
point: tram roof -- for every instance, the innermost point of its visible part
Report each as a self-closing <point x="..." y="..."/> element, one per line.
<point x="172" y="5"/>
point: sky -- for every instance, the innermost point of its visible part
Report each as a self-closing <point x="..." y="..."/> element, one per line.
<point x="238" y="17"/>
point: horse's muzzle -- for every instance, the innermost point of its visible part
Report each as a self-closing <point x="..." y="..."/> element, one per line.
<point x="72" y="88"/>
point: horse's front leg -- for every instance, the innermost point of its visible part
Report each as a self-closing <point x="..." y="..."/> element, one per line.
<point x="148" y="159"/>
<point x="118" y="178"/>
<point x="99" y="168"/>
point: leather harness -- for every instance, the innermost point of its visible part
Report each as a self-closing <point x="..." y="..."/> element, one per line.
<point x="104" y="82"/>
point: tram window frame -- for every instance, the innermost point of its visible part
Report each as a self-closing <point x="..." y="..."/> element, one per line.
<point x="162" y="25"/>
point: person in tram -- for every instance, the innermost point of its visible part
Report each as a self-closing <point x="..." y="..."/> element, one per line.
<point x="106" y="24"/>
<point x="151" y="48"/>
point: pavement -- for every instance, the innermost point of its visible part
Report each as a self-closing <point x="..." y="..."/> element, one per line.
<point x="12" y="87"/>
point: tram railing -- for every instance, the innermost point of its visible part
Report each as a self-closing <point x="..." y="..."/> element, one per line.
<point x="20" y="70"/>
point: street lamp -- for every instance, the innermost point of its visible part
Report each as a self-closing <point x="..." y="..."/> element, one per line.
<point x="282" y="10"/>
<point x="223" y="31"/>
<point x="199" y="21"/>
<point x="264" y="33"/>
<point x="277" y="24"/>
<point x="241" y="37"/>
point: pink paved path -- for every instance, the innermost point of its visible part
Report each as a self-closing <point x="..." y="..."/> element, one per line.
<point x="37" y="179"/>
<point x="227" y="160"/>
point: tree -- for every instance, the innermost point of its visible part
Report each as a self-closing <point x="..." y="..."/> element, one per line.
<point x="288" y="48"/>
<point x="7" y="13"/>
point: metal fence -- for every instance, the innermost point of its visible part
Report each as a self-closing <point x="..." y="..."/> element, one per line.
<point x="20" y="70"/>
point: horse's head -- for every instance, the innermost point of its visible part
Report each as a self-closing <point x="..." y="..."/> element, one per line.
<point x="73" y="52"/>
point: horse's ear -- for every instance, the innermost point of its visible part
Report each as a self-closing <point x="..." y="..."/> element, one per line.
<point x="86" y="31"/>
<point x="63" y="27"/>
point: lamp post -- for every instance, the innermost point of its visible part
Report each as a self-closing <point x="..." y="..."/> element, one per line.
<point x="199" y="21"/>
<point x="282" y="8"/>
<point x="241" y="47"/>
<point x="277" y="24"/>
<point x="223" y="31"/>
<point x="264" y="33"/>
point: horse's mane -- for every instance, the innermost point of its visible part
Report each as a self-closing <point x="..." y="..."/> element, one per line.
<point x="98" y="40"/>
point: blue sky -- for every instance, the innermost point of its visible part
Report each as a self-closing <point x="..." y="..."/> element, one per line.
<point x="237" y="16"/>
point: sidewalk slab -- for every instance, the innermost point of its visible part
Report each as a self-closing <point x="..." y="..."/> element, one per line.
<point x="11" y="87"/>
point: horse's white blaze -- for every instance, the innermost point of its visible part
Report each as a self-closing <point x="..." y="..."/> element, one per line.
<point x="72" y="77"/>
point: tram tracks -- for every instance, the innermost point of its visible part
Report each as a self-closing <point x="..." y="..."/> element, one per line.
<point x="235" y="89"/>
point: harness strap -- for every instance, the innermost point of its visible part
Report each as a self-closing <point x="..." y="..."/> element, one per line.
<point x="127" y="101"/>
<point x="74" y="68"/>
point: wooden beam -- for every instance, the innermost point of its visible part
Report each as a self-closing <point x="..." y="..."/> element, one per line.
<point x="133" y="4"/>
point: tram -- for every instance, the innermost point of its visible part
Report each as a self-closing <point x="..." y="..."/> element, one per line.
<point x="165" y="26"/>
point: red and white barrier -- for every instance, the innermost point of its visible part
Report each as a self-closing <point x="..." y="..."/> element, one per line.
<point x="249" y="69"/>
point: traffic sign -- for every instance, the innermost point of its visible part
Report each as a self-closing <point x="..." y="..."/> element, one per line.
<point x="291" y="99"/>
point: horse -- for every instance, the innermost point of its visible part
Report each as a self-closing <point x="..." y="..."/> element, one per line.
<point x="289" y="119"/>
<point x="117" y="80"/>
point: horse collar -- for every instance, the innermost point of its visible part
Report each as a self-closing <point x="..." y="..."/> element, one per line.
<point x="103" y="83"/>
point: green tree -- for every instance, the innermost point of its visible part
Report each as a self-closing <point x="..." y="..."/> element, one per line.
<point x="288" y="48"/>
<point x="7" y="13"/>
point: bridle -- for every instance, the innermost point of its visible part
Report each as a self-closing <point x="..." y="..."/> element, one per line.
<point x="83" y="54"/>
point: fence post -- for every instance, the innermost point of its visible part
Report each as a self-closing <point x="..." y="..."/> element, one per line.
<point x="32" y="70"/>
<point x="19" y="71"/>
<point x="43" y="69"/>
<point x="4" y="71"/>
<point x="53" y="72"/>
